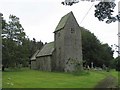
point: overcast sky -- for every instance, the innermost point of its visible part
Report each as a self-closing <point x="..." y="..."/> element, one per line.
<point x="39" y="18"/>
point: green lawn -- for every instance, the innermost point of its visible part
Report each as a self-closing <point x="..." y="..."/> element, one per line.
<point x="27" y="78"/>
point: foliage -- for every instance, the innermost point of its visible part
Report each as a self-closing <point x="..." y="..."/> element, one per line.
<point x="117" y="63"/>
<point x="8" y="52"/>
<point x="69" y="2"/>
<point x="13" y="30"/>
<point x="17" y="48"/>
<point x="23" y="78"/>
<point x="104" y="11"/>
<point x="94" y="51"/>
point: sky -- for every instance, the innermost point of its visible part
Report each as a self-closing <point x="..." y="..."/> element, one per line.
<point x="39" y="18"/>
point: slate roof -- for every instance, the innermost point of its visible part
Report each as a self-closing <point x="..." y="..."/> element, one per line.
<point x="34" y="55"/>
<point x="46" y="50"/>
<point x="63" y="21"/>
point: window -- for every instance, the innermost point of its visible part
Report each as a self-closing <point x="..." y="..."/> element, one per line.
<point x="72" y="30"/>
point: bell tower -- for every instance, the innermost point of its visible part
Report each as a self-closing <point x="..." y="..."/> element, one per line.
<point x="68" y="44"/>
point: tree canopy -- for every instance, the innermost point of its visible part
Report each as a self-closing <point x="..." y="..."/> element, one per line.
<point x="117" y="63"/>
<point x="17" y="48"/>
<point x="94" y="51"/>
<point x="103" y="10"/>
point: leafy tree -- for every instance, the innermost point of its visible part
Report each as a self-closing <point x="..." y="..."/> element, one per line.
<point x="12" y="36"/>
<point x="94" y="51"/>
<point x="117" y="63"/>
<point x="104" y="10"/>
<point x="15" y="29"/>
<point x="90" y="47"/>
<point x="24" y="50"/>
<point x="8" y="52"/>
<point x="107" y="55"/>
<point x="17" y="47"/>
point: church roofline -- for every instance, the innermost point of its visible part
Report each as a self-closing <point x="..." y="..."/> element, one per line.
<point x="33" y="58"/>
<point x="47" y="50"/>
<point x="63" y="22"/>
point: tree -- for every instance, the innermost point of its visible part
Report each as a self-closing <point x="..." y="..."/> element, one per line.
<point x="107" y="55"/>
<point x="8" y="52"/>
<point x="17" y="48"/>
<point x="104" y="10"/>
<point x="90" y="46"/>
<point x="117" y="63"/>
<point x="12" y="37"/>
<point x="94" y="51"/>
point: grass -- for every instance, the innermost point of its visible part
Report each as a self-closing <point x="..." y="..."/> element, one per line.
<point x="0" y="79"/>
<point x="27" y="78"/>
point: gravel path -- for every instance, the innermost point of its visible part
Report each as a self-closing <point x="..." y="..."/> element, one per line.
<point x="109" y="82"/>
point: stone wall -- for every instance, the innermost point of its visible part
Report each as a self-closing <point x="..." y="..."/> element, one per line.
<point x="44" y="63"/>
<point x="72" y="45"/>
<point x="68" y="46"/>
<point x="33" y="64"/>
<point x="59" y="50"/>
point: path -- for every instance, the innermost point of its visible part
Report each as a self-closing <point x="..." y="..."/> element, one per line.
<point x="109" y="82"/>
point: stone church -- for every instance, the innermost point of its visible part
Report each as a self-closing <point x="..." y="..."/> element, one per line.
<point x="65" y="53"/>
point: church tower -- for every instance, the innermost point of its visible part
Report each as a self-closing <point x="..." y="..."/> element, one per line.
<point x="68" y="44"/>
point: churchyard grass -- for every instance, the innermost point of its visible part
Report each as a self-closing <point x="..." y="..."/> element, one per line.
<point x="26" y="78"/>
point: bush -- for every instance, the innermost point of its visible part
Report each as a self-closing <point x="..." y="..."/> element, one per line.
<point x="117" y="63"/>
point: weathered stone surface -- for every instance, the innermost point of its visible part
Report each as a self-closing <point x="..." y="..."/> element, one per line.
<point x="68" y="45"/>
<point x="33" y="60"/>
<point x="33" y="64"/>
<point x="44" y="63"/>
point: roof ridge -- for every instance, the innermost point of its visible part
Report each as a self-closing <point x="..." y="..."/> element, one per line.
<point x="34" y="55"/>
<point x="46" y="50"/>
<point x="63" y="21"/>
